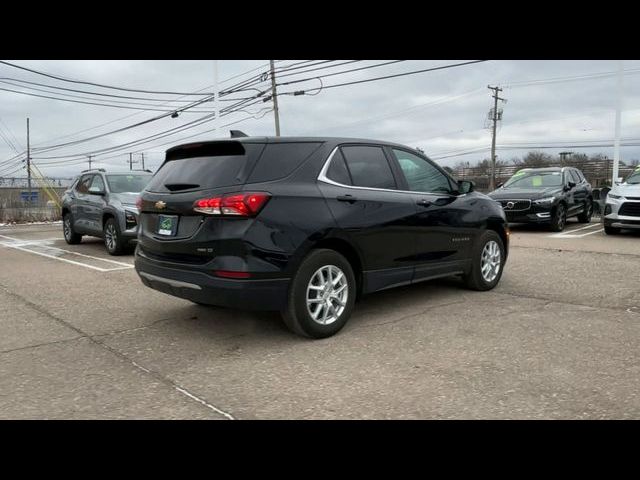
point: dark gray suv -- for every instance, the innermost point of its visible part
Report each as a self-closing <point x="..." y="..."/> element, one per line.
<point x="103" y="204"/>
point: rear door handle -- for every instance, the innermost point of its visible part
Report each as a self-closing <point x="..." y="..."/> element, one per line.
<point x="347" y="198"/>
<point x="424" y="203"/>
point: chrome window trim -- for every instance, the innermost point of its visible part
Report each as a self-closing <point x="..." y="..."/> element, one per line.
<point x="322" y="177"/>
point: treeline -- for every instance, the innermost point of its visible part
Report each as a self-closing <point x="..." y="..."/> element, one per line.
<point x="541" y="159"/>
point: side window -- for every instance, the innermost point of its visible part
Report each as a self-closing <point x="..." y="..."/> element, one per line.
<point x="97" y="183"/>
<point x="420" y="174"/>
<point x="83" y="184"/>
<point x="337" y="170"/>
<point x="575" y="178"/>
<point x="368" y="167"/>
<point x="281" y="159"/>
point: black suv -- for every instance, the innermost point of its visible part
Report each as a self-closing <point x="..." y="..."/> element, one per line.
<point x="305" y="225"/>
<point x="546" y="195"/>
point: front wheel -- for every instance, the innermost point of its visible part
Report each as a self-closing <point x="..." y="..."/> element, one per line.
<point x="487" y="262"/>
<point x="321" y="295"/>
<point x="112" y="238"/>
<point x="559" y="219"/>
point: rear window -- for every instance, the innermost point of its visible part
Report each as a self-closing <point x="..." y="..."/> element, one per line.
<point x="212" y="166"/>
<point x="369" y="167"/>
<point x="281" y="159"/>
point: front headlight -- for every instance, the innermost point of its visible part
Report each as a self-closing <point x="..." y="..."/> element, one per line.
<point x="544" y="201"/>
<point x="130" y="218"/>
<point x="614" y="196"/>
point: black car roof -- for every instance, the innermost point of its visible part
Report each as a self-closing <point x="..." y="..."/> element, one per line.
<point x="329" y="140"/>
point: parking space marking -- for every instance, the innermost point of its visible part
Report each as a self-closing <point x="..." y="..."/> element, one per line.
<point x="39" y="247"/>
<point x="571" y="234"/>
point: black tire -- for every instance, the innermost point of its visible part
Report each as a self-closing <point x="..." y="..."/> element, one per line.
<point x="113" y="240"/>
<point x="585" y="216"/>
<point x="611" y="230"/>
<point x="559" y="219"/>
<point x="474" y="279"/>
<point x="297" y="316"/>
<point x="70" y="236"/>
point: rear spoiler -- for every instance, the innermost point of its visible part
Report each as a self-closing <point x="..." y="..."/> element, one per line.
<point x="205" y="149"/>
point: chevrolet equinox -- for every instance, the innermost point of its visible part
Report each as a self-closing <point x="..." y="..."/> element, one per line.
<point x="306" y="225"/>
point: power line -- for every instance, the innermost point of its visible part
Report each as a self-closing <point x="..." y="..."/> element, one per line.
<point x="342" y="72"/>
<point x="138" y="113"/>
<point x="414" y="72"/>
<point x="63" y="79"/>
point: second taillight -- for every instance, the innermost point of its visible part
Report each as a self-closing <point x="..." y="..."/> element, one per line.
<point x="237" y="204"/>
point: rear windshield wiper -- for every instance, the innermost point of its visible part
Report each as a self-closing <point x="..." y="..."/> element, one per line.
<point x="180" y="186"/>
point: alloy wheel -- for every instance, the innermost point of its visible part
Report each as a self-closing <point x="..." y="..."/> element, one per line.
<point x="490" y="261"/>
<point x="327" y="294"/>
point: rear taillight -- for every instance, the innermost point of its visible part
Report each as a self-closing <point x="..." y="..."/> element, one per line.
<point x="237" y="205"/>
<point x="139" y="203"/>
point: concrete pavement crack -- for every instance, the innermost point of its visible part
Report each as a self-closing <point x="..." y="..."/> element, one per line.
<point x="156" y="375"/>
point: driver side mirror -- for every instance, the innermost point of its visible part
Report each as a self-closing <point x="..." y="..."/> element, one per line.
<point x="569" y="186"/>
<point x="465" y="186"/>
<point x="96" y="191"/>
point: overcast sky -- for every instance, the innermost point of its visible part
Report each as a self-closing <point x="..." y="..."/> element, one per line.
<point x="442" y="112"/>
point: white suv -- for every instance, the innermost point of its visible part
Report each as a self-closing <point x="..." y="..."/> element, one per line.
<point x="622" y="209"/>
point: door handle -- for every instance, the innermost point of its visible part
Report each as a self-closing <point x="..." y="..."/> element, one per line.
<point x="346" y="198"/>
<point x="424" y="203"/>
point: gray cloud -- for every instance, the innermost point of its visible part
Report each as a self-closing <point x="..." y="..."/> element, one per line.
<point x="441" y="111"/>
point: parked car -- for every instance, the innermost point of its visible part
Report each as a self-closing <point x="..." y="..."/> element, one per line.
<point x="306" y="225"/>
<point x="546" y="195"/>
<point x="103" y="204"/>
<point x="622" y="208"/>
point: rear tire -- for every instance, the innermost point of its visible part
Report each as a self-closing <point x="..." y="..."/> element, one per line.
<point x="113" y="240"/>
<point x="559" y="220"/>
<point x="488" y="260"/>
<point x="324" y="285"/>
<point x="70" y="236"/>
<point x="585" y="216"/>
<point x="611" y="230"/>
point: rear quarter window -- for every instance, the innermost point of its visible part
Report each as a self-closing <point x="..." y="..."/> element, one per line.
<point x="279" y="160"/>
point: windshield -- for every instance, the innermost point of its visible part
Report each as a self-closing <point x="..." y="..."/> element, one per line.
<point x="535" y="180"/>
<point x="634" y="178"/>
<point x="127" y="183"/>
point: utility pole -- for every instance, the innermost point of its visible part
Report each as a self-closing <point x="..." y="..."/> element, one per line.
<point x="28" y="164"/>
<point x="142" y="160"/>
<point x="130" y="161"/>
<point x="495" y="118"/>
<point x="274" y="94"/>
<point x="90" y="161"/>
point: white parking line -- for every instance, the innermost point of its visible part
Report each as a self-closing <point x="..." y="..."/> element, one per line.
<point x="20" y="244"/>
<point x="570" y="234"/>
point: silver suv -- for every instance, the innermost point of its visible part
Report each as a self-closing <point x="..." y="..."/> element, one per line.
<point x="622" y="209"/>
<point x="103" y="204"/>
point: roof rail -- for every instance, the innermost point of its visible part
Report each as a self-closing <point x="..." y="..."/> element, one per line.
<point x="92" y="169"/>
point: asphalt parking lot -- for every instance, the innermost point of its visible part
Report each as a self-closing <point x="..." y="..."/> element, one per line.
<point x="81" y="337"/>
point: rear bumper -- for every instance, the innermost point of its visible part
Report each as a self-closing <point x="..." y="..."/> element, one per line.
<point x="268" y="294"/>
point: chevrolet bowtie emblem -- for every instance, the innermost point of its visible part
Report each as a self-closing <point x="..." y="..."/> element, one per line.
<point x="160" y="205"/>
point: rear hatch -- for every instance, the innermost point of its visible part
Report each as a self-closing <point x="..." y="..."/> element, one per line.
<point x="170" y="228"/>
